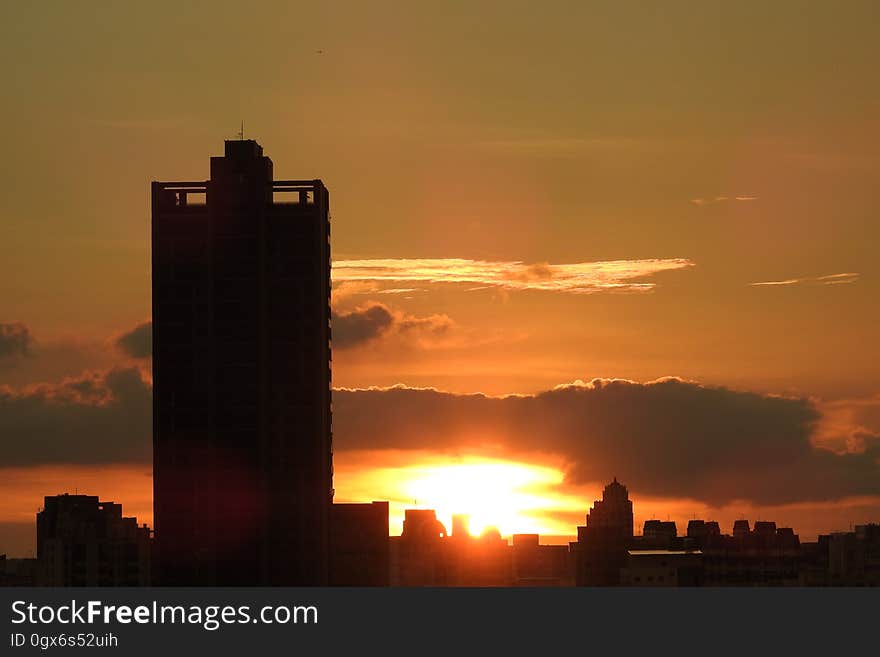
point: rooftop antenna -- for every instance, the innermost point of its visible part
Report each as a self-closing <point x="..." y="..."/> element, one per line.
<point x="241" y="132"/>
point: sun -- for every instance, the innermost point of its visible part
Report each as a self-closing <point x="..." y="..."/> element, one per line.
<point x="513" y="497"/>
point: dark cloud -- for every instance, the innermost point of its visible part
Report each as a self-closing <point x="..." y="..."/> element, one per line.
<point x="351" y="329"/>
<point x="375" y="320"/>
<point x="137" y="343"/>
<point x="665" y="438"/>
<point x="94" y="418"/>
<point x="15" y="340"/>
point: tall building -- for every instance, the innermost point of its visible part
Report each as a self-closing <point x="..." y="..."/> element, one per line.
<point x="614" y="511"/>
<point x="82" y="541"/>
<point x="601" y="549"/>
<point x="241" y="376"/>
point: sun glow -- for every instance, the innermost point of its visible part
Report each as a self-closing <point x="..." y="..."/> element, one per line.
<point x="491" y="494"/>
<point x="514" y="497"/>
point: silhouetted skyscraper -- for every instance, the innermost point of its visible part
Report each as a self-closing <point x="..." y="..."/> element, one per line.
<point x="614" y="511"/>
<point x="241" y="376"/>
<point x="600" y="551"/>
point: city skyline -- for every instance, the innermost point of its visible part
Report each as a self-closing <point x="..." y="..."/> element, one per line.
<point x="571" y="245"/>
<point x="83" y="541"/>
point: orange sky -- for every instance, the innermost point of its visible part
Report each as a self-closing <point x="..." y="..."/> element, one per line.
<point x="529" y="197"/>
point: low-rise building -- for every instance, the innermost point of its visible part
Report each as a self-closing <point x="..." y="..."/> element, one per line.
<point x="82" y="541"/>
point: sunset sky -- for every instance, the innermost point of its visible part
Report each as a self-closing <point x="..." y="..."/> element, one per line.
<point x="571" y="241"/>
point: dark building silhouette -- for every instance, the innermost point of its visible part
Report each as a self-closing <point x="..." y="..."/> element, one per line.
<point x="359" y="544"/>
<point x="540" y="565"/>
<point x="663" y="567"/>
<point x="424" y="555"/>
<point x="741" y="528"/>
<point x="614" y="511"/>
<point x="763" y="556"/>
<point x="17" y="572"/>
<point x="659" y="533"/>
<point x="241" y="376"/>
<point x="853" y="558"/>
<point x="418" y="555"/>
<point x="478" y="561"/>
<point x="700" y="530"/>
<point x="815" y="567"/>
<point x="601" y="549"/>
<point x="82" y="541"/>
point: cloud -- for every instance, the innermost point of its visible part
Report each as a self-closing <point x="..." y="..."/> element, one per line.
<point x="576" y="278"/>
<point x="98" y="417"/>
<point x="830" y="279"/>
<point x="375" y="320"/>
<point x="361" y="325"/>
<point x="721" y="199"/>
<point x="138" y="342"/>
<point x="849" y="425"/>
<point x="666" y="438"/>
<point x="15" y="340"/>
<point x="350" y="329"/>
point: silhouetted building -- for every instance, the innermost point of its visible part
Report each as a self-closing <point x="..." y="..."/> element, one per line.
<point x="662" y="568"/>
<point x="659" y="533"/>
<point x="614" y="511"/>
<point x="698" y="531"/>
<point x="741" y="528"/>
<point x="854" y="557"/>
<point x="418" y="557"/>
<point x="359" y="554"/>
<point x="478" y="561"/>
<point x="814" y="566"/>
<point x="18" y="572"/>
<point x="84" y="542"/>
<point x="423" y="555"/>
<point x="540" y="565"/>
<point x="766" y="556"/>
<point x="600" y="551"/>
<point x="241" y="376"/>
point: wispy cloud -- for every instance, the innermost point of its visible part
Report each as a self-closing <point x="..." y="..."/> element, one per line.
<point x="722" y="199"/>
<point x="576" y="278"/>
<point x="830" y="279"/>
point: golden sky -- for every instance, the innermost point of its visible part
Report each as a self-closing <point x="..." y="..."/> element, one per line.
<point x="522" y="196"/>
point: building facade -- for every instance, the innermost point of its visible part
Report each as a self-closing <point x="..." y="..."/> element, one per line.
<point x="359" y="544"/>
<point x="82" y="541"/>
<point x="601" y="548"/>
<point x="241" y="376"/>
